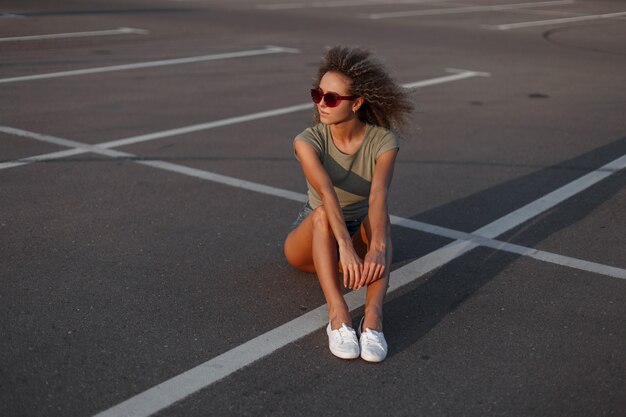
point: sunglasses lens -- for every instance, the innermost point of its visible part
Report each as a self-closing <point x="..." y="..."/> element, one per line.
<point x="316" y="95"/>
<point x="331" y="99"/>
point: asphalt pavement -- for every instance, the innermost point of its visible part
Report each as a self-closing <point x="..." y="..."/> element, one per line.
<point x="147" y="182"/>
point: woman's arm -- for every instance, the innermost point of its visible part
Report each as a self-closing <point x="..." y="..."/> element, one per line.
<point x="319" y="179"/>
<point x="378" y="215"/>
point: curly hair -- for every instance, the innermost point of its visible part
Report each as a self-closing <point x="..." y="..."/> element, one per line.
<point x="386" y="103"/>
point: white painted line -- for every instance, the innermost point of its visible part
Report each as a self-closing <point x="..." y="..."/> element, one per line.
<point x="151" y="64"/>
<point x="567" y="261"/>
<point x="545" y="256"/>
<point x="46" y="138"/>
<point x="183" y="385"/>
<point x="80" y="148"/>
<point x="550" y="200"/>
<point x="193" y="380"/>
<point x="457" y="10"/>
<point x="480" y="237"/>
<point x="41" y="158"/>
<point x="119" y="31"/>
<point x="339" y="3"/>
<point x="206" y="126"/>
<point x="462" y="74"/>
<point x="226" y="180"/>
<point x="522" y="25"/>
<point x="459" y="75"/>
<point x="475" y="237"/>
<point x="77" y="147"/>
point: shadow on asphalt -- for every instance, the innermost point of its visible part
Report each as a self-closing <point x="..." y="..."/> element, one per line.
<point x="412" y="315"/>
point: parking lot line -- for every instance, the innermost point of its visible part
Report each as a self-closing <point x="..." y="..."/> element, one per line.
<point x="339" y="3"/>
<point x="550" y="200"/>
<point x="493" y="243"/>
<point x="482" y="237"/>
<point x="460" y="75"/>
<point x="205" y="126"/>
<point x="41" y="158"/>
<point x="477" y="238"/>
<point x="118" y="31"/>
<point x="458" y="10"/>
<point x="521" y="25"/>
<point x="187" y="383"/>
<point x="177" y="61"/>
<point x="225" y="180"/>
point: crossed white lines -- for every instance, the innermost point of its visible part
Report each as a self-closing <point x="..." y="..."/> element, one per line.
<point x="179" y="387"/>
<point x="478" y="238"/>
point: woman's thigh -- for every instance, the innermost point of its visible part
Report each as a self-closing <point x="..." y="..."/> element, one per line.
<point x="361" y="239"/>
<point x="299" y="246"/>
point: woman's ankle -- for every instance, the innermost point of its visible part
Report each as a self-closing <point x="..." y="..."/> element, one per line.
<point x="338" y="317"/>
<point x="373" y="319"/>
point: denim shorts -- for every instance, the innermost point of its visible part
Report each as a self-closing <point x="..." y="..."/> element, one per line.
<point x="351" y="225"/>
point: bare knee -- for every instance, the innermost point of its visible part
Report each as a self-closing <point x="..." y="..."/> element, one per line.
<point x="298" y="261"/>
<point x="293" y="253"/>
<point x="297" y="249"/>
<point x="320" y="221"/>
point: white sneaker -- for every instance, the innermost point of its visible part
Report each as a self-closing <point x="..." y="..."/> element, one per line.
<point x="373" y="344"/>
<point x="343" y="342"/>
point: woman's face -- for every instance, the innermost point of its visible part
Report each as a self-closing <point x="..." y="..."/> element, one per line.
<point x="334" y="82"/>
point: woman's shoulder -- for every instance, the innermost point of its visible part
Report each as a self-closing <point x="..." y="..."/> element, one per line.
<point x="382" y="139"/>
<point x="381" y="134"/>
<point x="317" y="134"/>
<point x="379" y="131"/>
<point x="317" y="131"/>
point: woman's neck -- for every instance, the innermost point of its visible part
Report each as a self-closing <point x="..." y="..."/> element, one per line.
<point x="348" y="131"/>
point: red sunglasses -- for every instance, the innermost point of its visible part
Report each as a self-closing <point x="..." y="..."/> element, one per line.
<point x="331" y="99"/>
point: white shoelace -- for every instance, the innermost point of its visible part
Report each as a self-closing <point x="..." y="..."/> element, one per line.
<point x="344" y="334"/>
<point x="372" y="338"/>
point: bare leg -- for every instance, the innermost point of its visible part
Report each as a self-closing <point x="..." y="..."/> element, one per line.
<point x="325" y="259"/>
<point x="312" y="246"/>
<point x="377" y="290"/>
<point x="374" y="300"/>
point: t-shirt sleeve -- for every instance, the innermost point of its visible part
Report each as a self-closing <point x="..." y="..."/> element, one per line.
<point x="313" y="137"/>
<point x="388" y="141"/>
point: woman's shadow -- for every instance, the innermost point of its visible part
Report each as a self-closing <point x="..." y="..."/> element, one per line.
<point x="415" y="310"/>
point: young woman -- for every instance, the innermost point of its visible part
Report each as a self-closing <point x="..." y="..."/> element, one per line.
<point x="348" y="160"/>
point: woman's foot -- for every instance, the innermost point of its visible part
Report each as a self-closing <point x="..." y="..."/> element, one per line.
<point x="372" y="344"/>
<point x="343" y="342"/>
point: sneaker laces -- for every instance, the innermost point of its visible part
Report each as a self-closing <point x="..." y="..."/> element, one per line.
<point x="344" y="334"/>
<point x="372" y="337"/>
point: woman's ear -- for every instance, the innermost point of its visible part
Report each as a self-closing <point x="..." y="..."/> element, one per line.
<point x="357" y="104"/>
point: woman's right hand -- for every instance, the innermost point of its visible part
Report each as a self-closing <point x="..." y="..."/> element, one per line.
<point x="351" y="265"/>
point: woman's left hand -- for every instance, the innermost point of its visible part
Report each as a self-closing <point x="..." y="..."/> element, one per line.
<point x="373" y="267"/>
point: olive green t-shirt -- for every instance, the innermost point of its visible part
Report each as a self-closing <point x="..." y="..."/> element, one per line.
<point x="351" y="175"/>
